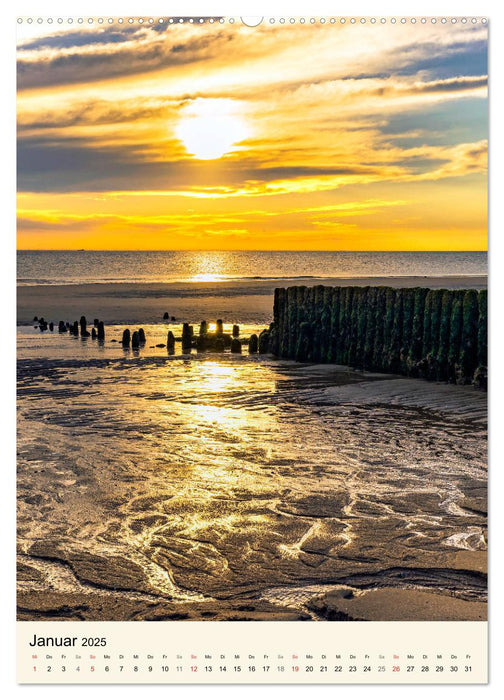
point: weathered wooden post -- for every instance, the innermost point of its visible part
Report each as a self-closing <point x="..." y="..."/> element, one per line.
<point x="236" y="346"/>
<point x="62" y="327"/>
<point x="186" y="336"/>
<point x="444" y="335"/>
<point x="126" y="337"/>
<point x="93" y="333"/>
<point x="236" y="331"/>
<point x="83" y="327"/>
<point x="96" y="322"/>
<point x="469" y="344"/>
<point x="220" y="345"/>
<point x="75" y="328"/>
<point x="51" y="326"/>
<point x="219" y="326"/>
<point x="141" y="336"/>
<point x="166" y="316"/>
<point x="203" y="329"/>
<point x="263" y="343"/>
<point x="481" y="374"/>
<point x="101" y="330"/>
<point x="135" y="340"/>
<point x="253" y="344"/>
<point x="170" y="341"/>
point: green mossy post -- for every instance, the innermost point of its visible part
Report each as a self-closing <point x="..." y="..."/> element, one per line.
<point x="417" y="332"/>
<point x="444" y="335"/>
<point x="482" y="329"/>
<point x="379" y="324"/>
<point x="408" y="296"/>
<point x="468" y="360"/>
<point x="436" y="334"/>
<point x="263" y="343"/>
<point x="253" y="344"/>
<point x="370" y="332"/>
<point x="394" y="355"/>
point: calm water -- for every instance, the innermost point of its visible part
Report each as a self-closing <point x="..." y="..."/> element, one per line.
<point x="74" y="267"/>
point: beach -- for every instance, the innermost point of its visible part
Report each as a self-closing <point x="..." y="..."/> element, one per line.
<point x="202" y="486"/>
<point x="235" y="301"/>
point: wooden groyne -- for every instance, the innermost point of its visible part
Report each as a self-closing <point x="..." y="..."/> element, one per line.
<point x="436" y="334"/>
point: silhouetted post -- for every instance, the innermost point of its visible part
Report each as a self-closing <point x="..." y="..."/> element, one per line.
<point x="75" y="328"/>
<point x="166" y="316"/>
<point x="141" y="335"/>
<point x="236" y="346"/>
<point x="101" y="330"/>
<point x="126" y="337"/>
<point x="219" y="327"/>
<point x="96" y="322"/>
<point x="236" y="331"/>
<point x="51" y="326"/>
<point x="186" y="336"/>
<point x="35" y="319"/>
<point x="135" y="340"/>
<point x="93" y="333"/>
<point x="220" y="345"/>
<point x="62" y="327"/>
<point x="263" y="344"/>
<point x="170" y="341"/>
<point x="83" y="327"/>
<point x="253" y="344"/>
<point x="203" y="328"/>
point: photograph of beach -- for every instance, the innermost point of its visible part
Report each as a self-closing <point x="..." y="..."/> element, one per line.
<point x="252" y="321"/>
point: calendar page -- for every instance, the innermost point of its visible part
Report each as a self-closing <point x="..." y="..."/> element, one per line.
<point x="252" y="349"/>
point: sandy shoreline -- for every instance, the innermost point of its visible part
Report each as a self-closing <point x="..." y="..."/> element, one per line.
<point x="249" y="301"/>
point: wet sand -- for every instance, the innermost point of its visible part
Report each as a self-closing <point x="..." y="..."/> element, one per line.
<point x="234" y="301"/>
<point x="222" y="487"/>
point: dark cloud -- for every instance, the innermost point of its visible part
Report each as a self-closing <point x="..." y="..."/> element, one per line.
<point x="127" y="58"/>
<point x="73" y="165"/>
<point x="83" y="37"/>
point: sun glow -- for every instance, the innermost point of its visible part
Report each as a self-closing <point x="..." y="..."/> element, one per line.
<point x="210" y="128"/>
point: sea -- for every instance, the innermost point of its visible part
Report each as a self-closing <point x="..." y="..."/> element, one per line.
<point x="78" y="267"/>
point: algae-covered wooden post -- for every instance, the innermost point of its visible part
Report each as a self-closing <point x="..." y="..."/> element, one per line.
<point x="186" y="336"/>
<point x="480" y="376"/>
<point x="444" y="335"/>
<point x="468" y="360"/>
<point x="414" y="355"/>
<point x="83" y="327"/>
<point x="253" y="344"/>
<point x="263" y="343"/>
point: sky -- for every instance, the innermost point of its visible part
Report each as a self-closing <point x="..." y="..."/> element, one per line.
<point x="218" y="136"/>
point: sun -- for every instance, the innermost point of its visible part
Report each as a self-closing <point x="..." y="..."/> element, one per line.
<point x="210" y="128"/>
